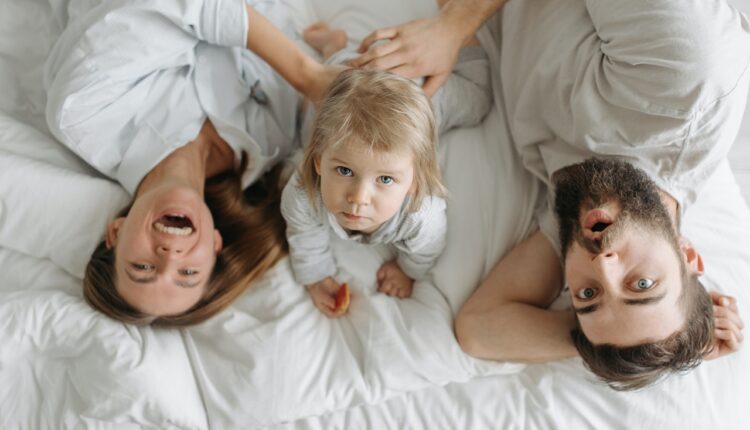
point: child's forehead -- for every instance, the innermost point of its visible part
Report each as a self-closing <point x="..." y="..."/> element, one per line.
<point x="358" y="152"/>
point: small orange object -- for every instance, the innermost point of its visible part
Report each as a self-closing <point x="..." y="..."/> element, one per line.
<point x="342" y="299"/>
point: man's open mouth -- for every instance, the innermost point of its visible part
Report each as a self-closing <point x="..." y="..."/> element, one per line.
<point x="174" y="223"/>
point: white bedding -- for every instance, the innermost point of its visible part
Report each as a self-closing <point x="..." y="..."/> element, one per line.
<point x="272" y="359"/>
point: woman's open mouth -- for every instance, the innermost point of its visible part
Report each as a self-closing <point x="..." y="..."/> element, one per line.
<point x="174" y="223"/>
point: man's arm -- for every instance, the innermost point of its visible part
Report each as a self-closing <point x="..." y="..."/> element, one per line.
<point x="427" y="47"/>
<point x="506" y="318"/>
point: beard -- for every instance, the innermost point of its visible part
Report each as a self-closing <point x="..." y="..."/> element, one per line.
<point x="595" y="182"/>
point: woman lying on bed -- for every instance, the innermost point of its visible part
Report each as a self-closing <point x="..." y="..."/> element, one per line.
<point x="168" y="99"/>
<point x="655" y="88"/>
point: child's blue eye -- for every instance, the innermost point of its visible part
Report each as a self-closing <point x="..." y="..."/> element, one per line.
<point x="386" y="180"/>
<point x="344" y="171"/>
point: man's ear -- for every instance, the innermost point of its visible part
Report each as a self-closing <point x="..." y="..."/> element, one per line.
<point x="693" y="259"/>
<point x="113" y="231"/>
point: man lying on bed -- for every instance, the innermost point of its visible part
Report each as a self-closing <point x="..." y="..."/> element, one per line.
<point x="655" y="91"/>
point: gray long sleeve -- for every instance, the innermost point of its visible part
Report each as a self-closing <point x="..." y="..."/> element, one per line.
<point x="418" y="236"/>
<point x="466" y="97"/>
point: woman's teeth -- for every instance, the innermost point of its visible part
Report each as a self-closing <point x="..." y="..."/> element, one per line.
<point x="177" y="231"/>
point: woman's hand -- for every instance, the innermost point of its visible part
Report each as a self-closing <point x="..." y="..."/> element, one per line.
<point x="728" y="326"/>
<point x="323" y="295"/>
<point x="319" y="79"/>
<point x="393" y="281"/>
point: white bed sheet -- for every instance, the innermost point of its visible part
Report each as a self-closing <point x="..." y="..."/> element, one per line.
<point x="272" y="359"/>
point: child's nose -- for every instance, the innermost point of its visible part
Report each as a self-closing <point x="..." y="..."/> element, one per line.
<point x="358" y="195"/>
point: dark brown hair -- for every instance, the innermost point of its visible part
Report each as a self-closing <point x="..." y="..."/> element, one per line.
<point x="634" y="367"/>
<point x="252" y="230"/>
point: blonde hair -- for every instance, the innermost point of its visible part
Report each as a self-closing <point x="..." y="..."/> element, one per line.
<point x="253" y="233"/>
<point x="381" y="110"/>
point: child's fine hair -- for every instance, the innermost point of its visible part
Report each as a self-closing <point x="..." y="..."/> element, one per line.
<point x="384" y="112"/>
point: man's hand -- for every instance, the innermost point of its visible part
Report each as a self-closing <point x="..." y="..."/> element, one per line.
<point x="393" y="281"/>
<point x="323" y="295"/>
<point x="728" y="326"/>
<point x="425" y="47"/>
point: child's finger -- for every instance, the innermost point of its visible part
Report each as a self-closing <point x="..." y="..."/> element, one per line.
<point x="325" y="301"/>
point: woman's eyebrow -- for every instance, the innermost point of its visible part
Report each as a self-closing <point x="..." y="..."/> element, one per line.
<point x="148" y="280"/>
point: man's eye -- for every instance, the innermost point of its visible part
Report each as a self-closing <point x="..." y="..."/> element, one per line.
<point x="386" y="180"/>
<point x="344" y="171"/>
<point x="142" y="267"/>
<point x="586" y="293"/>
<point x="644" y="284"/>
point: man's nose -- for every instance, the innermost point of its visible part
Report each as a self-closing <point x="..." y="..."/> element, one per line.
<point x="607" y="265"/>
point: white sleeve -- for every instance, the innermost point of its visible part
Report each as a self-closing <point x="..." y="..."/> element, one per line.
<point x="424" y="239"/>
<point x="309" y="238"/>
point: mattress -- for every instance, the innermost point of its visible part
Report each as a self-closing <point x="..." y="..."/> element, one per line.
<point x="272" y="360"/>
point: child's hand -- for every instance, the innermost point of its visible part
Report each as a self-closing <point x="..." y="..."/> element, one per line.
<point x="323" y="295"/>
<point x="728" y="326"/>
<point x="393" y="281"/>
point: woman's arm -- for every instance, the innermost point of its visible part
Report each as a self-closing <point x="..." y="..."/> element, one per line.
<point x="427" y="47"/>
<point x="506" y="318"/>
<point x="304" y="73"/>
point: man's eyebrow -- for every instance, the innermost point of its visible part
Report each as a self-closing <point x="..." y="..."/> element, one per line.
<point x="644" y="301"/>
<point x="586" y="309"/>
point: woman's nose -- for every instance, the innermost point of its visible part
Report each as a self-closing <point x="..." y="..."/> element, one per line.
<point x="165" y="249"/>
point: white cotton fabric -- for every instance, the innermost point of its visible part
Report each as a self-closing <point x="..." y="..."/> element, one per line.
<point x="271" y="360"/>
<point x="128" y="82"/>
<point x="668" y="100"/>
<point x="418" y="236"/>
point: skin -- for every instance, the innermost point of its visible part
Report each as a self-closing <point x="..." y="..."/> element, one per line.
<point x="363" y="189"/>
<point x="177" y="267"/>
<point x="427" y="47"/>
<point x="506" y="318"/>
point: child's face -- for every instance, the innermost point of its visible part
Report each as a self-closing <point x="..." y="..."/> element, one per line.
<point x="363" y="189"/>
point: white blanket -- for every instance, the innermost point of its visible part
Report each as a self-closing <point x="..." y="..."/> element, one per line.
<point x="272" y="358"/>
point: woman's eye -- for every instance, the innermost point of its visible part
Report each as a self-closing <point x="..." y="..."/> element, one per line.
<point x="644" y="284"/>
<point x="344" y="171"/>
<point x="188" y="272"/>
<point x="142" y="267"/>
<point x="586" y="293"/>
<point x="386" y="180"/>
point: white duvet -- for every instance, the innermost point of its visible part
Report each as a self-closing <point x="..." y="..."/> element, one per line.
<point x="272" y="359"/>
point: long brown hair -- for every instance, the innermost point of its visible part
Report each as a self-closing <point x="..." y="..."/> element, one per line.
<point x="253" y="232"/>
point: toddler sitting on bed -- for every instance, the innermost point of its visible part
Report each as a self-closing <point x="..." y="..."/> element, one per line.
<point x="370" y="171"/>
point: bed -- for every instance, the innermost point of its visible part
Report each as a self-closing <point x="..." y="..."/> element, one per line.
<point x="272" y="360"/>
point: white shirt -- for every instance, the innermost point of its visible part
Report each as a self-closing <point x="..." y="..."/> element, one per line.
<point x="130" y="81"/>
<point x="660" y="84"/>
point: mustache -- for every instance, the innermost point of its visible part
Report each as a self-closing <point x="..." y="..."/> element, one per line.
<point x="609" y="235"/>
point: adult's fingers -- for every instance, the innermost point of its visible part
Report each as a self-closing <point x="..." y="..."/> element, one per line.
<point x="722" y="312"/>
<point x="726" y="324"/>
<point x="379" y="34"/>
<point x="729" y="338"/>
